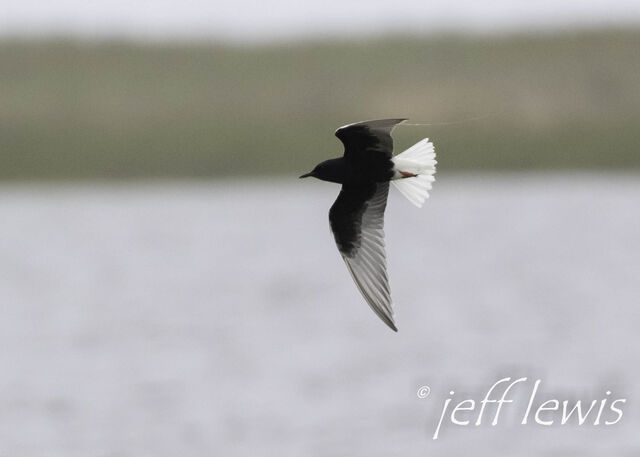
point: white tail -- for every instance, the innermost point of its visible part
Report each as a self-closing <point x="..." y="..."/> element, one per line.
<point x="419" y="160"/>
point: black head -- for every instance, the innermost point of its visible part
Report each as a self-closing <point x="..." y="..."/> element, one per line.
<point x="330" y="170"/>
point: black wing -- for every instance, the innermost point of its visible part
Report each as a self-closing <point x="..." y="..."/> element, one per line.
<point x="357" y="223"/>
<point x="368" y="136"/>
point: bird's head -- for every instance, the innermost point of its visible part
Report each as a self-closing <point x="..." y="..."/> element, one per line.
<point x="317" y="172"/>
<point x="330" y="170"/>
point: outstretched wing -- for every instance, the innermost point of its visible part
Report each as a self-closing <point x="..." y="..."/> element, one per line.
<point x="357" y="223"/>
<point x="368" y="136"/>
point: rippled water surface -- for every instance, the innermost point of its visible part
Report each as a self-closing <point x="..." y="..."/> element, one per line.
<point x="200" y="319"/>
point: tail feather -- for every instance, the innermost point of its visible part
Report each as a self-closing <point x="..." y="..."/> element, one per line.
<point x="419" y="159"/>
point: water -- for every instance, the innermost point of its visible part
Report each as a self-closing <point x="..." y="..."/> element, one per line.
<point x="218" y="319"/>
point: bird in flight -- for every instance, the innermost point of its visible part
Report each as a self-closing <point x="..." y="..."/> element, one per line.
<point x="357" y="216"/>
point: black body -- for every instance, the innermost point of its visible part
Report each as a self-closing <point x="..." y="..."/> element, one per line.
<point x="357" y="216"/>
<point x="366" y="159"/>
<point x="368" y="149"/>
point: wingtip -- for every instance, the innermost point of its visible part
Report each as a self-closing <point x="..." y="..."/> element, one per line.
<point x="397" y="120"/>
<point x="390" y="323"/>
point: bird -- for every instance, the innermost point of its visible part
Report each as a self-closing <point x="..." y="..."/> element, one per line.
<point x="356" y="219"/>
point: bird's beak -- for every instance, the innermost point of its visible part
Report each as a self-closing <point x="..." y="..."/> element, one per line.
<point x="306" y="175"/>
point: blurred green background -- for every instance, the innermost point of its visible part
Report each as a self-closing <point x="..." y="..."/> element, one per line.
<point x="83" y="110"/>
